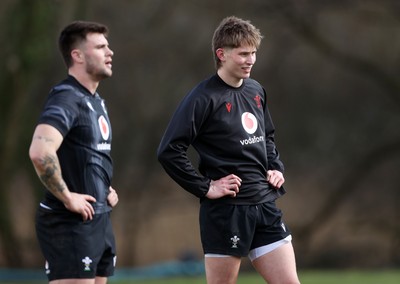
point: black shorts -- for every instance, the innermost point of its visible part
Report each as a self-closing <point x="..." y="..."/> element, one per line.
<point x="74" y="248"/>
<point x="237" y="229"/>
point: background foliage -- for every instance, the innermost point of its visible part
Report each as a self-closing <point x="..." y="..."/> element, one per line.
<point x="331" y="69"/>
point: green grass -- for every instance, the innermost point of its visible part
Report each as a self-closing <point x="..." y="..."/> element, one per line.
<point x="350" y="277"/>
<point x="306" y="277"/>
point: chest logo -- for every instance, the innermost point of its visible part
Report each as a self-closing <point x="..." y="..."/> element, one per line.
<point x="258" y="101"/>
<point x="249" y="122"/>
<point x="104" y="106"/>
<point x="90" y="106"/>
<point x="228" y="107"/>
<point x="104" y="128"/>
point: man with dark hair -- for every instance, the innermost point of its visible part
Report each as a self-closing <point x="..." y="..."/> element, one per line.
<point x="227" y="121"/>
<point x="70" y="151"/>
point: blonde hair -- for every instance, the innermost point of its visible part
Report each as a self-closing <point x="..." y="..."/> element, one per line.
<point x="233" y="32"/>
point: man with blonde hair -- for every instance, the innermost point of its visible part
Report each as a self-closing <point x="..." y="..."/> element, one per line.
<point x="227" y="121"/>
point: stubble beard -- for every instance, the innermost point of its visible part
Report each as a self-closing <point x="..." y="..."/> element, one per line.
<point x="98" y="74"/>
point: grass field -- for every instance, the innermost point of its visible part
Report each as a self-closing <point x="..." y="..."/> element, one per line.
<point x="306" y="277"/>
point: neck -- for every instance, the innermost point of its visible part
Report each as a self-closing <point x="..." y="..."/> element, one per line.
<point x="85" y="80"/>
<point x="231" y="81"/>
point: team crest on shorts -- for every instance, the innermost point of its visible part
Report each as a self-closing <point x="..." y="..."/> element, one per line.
<point x="235" y="241"/>
<point x="46" y="267"/>
<point x="87" y="261"/>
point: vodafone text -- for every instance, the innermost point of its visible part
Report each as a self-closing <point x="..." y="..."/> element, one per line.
<point x="252" y="140"/>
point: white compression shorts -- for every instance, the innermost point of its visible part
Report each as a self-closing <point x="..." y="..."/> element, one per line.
<point x="260" y="251"/>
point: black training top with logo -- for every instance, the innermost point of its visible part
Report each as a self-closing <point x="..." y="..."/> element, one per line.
<point x="84" y="154"/>
<point x="232" y="132"/>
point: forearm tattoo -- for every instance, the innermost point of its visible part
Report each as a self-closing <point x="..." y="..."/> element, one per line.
<point x="51" y="174"/>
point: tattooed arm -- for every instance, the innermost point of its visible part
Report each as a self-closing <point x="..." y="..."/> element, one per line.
<point x="43" y="153"/>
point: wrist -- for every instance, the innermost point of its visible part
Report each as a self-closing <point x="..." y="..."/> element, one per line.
<point x="210" y="188"/>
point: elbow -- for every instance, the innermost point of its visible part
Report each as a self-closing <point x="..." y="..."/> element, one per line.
<point x="164" y="156"/>
<point x="33" y="155"/>
<point x="37" y="155"/>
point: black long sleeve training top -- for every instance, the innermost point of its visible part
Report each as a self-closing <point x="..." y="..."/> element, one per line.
<point x="232" y="132"/>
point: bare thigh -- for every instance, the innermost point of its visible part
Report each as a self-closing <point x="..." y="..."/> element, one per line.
<point x="278" y="266"/>
<point x="222" y="269"/>
<point x="98" y="280"/>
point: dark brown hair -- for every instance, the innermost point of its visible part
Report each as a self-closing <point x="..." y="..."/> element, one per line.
<point x="75" y="33"/>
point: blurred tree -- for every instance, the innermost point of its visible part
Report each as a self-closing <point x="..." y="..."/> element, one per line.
<point x="28" y="41"/>
<point x="331" y="70"/>
<point x="369" y="61"/>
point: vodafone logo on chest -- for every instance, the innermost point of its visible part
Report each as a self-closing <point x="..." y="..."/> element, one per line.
<point x="249" y="122"/>
<point x="250" y="125"/>
<point x="104" y="127"/>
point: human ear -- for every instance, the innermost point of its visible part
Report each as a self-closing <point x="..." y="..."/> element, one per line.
<point x="220" y="54"/>
<point x="77" y="55"/>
